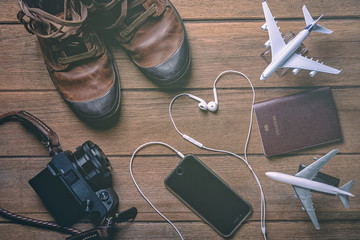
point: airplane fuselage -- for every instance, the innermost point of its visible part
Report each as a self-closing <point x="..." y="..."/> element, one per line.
<point x="288" y="50"/>
<point x="306" y="183"/>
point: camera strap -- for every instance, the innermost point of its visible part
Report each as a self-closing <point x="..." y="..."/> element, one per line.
<point x="50" y="139"/>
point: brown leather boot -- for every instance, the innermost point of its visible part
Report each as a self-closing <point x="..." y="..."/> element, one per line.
<point x="79" y="65"/>
<point x="151" y="32"/>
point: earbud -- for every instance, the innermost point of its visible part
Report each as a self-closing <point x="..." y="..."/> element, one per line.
<point x="211" y="106"/>
<point x="202" y="104"/>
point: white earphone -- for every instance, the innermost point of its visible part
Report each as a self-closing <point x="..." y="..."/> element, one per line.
<point x="211" y="106"/>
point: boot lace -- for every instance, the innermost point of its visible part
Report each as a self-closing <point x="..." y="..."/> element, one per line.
<point x="69" y="30"/>
<point x="133" y="14"/>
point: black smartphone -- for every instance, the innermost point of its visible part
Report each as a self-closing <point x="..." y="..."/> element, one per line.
<point x="208" y="195"/>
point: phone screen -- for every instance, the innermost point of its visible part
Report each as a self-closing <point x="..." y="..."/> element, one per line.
<point x="208" y="195"/>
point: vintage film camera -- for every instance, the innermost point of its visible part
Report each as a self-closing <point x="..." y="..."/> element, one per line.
<point x="74" y="185"/>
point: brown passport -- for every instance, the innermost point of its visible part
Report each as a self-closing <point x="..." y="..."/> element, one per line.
<point x="298" y="121"/>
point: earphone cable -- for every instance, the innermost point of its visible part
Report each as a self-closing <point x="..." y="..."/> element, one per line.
<point x="170" y="114"/>
<point x="137" y="186"/>
<point x="245" y="160"/>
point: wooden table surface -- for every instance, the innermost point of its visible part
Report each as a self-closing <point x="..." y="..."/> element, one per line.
<point x="223" y="35"/>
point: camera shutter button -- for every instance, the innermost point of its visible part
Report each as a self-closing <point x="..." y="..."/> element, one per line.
<point x="104" y="195"/>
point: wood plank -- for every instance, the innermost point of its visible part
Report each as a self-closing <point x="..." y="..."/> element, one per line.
<point x="232" y="9"/>
<point x="215" y="47"/>
<point x="150" y="172"/>
<point x="199" y="230"/>
<point x="144" y="117"/>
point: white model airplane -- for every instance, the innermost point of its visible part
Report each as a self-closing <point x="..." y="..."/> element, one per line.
<point x="283" y="55"/>
<point x="302" y="183"/>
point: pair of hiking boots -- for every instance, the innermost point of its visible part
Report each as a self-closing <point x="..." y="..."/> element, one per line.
<point x="81" y="68"/>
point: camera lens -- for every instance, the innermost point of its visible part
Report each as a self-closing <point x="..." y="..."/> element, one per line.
<point x="93" y="165"/>
<point x="179" y="171"/>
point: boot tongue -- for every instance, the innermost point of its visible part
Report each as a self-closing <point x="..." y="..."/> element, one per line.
<point x="50" y="6"/>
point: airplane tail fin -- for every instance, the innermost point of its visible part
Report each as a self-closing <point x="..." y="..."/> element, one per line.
<point x="344" y="198"/>
<point x="307" y="16"/>
<point x="316" y="27"/>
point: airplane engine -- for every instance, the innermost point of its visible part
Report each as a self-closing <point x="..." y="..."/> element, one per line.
<point x="267" y="44"/>
<point x="313" y="73"/>
<point x="295" y="71"/>
<point x="264" y="27"/>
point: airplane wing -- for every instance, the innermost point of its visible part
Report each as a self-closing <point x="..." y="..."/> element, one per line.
<point x="298" y="61"/>
<point x="310" y="171"/>
<point x="305" y="198"/>
<point x="277" y="41"/>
